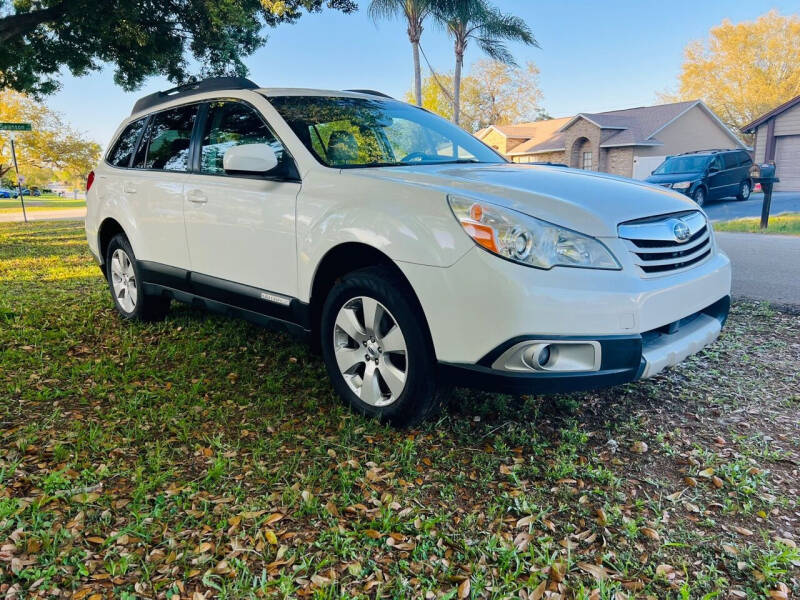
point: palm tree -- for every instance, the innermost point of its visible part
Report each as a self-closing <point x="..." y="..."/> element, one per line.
<point x="478" y="20"/>
<point x="415" y="13"/>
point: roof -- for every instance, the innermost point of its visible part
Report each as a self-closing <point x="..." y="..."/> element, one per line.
<point x="751" y="127"/>
<point x="628" y="127"/>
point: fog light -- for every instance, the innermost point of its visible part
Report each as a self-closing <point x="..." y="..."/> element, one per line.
<point x="544" y="356"/>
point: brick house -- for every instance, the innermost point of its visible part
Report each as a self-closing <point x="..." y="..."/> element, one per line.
<point x="630" y="142"/>
<point x="778" y="140"/>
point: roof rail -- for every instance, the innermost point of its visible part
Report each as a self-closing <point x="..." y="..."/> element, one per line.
<point x="371" y="93"/>
<point x="211" y="84"/>
<point x="710" y="151"/>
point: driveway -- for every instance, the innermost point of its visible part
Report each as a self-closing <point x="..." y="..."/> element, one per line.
<point x="725" y="210"/>
<point x="44" y="215"/>
<point x="765" y="267"/>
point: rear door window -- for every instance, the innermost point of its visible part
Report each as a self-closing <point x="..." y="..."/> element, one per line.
<point x="165" y="145"/>
<point x="122" y="151"/>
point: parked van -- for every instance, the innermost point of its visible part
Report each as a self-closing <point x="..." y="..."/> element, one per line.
<point x="707" y="174"/>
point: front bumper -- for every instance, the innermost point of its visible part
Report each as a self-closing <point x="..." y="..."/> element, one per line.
<point x="624" y="358"/>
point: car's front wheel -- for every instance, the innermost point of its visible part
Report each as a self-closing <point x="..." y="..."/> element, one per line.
<point x="699" y="196"/>
<point x="744" y="190"/>
<point x="376" y="347"/>
<point x="125" y="283"/>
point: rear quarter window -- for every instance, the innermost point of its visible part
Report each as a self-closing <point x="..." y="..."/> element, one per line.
<point x="123" y="149"/>
<point x="732" y="159"/>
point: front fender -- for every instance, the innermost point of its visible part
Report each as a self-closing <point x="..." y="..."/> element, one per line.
<point x="406" y="222"/>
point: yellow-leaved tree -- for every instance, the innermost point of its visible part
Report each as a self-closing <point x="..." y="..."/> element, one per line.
<point x="744" y="69"/>
<point x="52" y="150"/>
<point x="493" y="93"/>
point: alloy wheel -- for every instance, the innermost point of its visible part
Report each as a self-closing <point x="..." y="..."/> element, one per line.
<point x="745" y="191"/>
<point x="370" y="351"/>
<point x="123" y="281"/>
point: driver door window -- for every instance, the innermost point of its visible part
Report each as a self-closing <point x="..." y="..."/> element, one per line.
<point x="231" y="124"/>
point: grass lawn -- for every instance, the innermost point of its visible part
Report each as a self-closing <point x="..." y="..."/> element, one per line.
<point x="47" y="202"/>
<point x="204" y="457"/>
<point x="788" y="223"/>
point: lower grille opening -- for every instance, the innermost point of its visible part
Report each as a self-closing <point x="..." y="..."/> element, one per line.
<point x="675" y="265"/>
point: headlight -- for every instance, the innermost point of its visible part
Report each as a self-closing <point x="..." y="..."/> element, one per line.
<point x="527" y="240"/>
<point x="682" y="185"/>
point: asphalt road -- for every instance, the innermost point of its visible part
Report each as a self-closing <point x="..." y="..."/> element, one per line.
<point x="724" y="210"/>
<point x="765" y="267"/>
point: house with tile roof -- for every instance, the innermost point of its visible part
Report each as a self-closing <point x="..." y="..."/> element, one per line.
<point x="630" y="142"/>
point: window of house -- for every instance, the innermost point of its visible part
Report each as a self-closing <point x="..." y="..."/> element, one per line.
<point x="587" y="161"/>
<point x="120" y="155"/>
<point x="165" y="145"/>
<point x="231" y="124"/>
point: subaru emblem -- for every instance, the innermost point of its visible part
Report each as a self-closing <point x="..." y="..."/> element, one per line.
<point x="681" y="231"/>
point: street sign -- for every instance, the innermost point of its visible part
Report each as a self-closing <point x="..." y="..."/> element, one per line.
<point x="15" y="126"/>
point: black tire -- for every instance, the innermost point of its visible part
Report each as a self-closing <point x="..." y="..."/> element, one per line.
<point x="699" y="196"/>
<point x="745" y="189"/>
<point x="419" y="398"/>
<point x="147" y="307"/>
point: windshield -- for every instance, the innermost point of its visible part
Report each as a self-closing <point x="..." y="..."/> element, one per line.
<point x="365" y="132"/>
<point x="682" y="164"/>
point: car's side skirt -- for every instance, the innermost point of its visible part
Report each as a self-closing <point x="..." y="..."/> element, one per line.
<point x="263" y="307"/>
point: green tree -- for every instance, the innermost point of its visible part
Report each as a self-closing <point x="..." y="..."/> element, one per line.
<point x="52" y="150"/>
<point x="414" y="12"/>
<point x="744" y="69"/>
<point x="478" y="20"/>
<point x="140" y="38"/>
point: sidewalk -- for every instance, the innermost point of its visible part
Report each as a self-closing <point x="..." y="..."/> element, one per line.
<point x="44" y="215"/>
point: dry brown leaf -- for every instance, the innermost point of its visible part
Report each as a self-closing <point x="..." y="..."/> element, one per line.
<point x="742" y="530"/>
<point x="597" y="571"/>
<point x="716" y="481"/>
<point x="371" y="533"/>
<point x="651" y="533"/>
<point x="639" y="447"/>
<point x="464" y="589"/>
<point x="706" y="472"/>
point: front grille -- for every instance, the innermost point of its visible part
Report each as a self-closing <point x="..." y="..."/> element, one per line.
<point x="655" y="245"/>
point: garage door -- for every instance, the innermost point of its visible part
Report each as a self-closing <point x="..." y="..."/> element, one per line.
<point x="787" y="163"/>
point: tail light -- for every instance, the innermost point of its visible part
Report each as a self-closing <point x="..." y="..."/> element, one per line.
<point x="89" y="181"/>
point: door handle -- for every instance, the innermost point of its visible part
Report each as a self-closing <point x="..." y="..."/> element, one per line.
<point x="129" y="188"/>
<point x="197" y="197"/>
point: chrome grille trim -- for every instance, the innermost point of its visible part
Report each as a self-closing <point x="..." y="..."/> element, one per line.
<point x="656" y="248"/>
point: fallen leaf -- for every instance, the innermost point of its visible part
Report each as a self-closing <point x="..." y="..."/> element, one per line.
<point x="597" y="571"/>
<point x="639" y="447"/>
<point x="651" y="533"/>
<point x="464" y="589"/>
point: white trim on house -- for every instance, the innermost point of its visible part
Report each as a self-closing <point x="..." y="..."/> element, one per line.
<point x="539" y="151"/>
<point x="583" y="116"/>
<point x="645" y="143"/>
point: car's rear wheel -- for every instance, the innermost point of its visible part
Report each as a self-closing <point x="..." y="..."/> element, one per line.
<point x="699" y="196"/>
<point x="125" y="283"/>
<point x="376" y="348"/>
<point x="744" y="190"/>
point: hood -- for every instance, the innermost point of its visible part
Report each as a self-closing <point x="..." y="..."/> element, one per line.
<point x="586" y="201"/>
<point x="675" y="177"/>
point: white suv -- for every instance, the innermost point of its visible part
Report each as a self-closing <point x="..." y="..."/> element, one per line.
<point x="409" y="251"/>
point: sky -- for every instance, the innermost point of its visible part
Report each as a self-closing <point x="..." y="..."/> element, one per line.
<point x="594" y="55"/>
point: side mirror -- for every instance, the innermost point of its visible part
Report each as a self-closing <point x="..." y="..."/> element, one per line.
<point x="250" y="158"/>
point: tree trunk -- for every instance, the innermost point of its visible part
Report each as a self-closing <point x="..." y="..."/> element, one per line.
<point x="457" y="85"/>
<point x="417" y="73"/>
<point x="17" y="25"/>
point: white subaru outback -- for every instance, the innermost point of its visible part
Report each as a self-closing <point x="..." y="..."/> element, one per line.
<point x="407" y="250"/>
